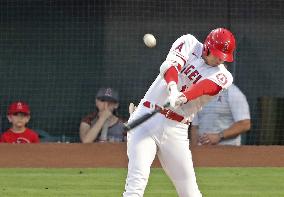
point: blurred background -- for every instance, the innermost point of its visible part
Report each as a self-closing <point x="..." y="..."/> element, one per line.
<point x="56" y="54"/>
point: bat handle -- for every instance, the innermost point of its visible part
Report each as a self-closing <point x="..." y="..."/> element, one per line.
<point x="166" y="105"/>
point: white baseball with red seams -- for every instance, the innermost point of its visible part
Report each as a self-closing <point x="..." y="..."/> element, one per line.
<point x="164" y="136"/>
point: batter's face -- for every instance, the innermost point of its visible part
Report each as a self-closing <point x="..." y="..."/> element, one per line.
<point x="212" y="60"/>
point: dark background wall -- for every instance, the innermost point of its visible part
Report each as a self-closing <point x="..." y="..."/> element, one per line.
<point x="55" y="55"/>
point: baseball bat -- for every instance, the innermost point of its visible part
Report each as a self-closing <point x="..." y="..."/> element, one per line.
<point x="143" y="118"/>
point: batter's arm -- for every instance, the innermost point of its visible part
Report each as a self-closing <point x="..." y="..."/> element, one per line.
<point x="204" y="87"/>
<point x="175" y="96"/>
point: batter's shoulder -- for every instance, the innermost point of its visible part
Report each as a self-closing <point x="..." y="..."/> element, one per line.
<point x="186" y="46"/>
<point x="222" y="77"/>
<point x="189" y="38"/>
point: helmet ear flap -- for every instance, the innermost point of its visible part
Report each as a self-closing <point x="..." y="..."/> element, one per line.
<point x="206" y="50"/>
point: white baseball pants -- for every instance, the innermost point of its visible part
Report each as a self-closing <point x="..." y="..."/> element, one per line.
<point x="169" y="140"/>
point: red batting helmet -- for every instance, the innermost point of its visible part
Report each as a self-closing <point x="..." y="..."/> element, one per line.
<point x="221" y="43"/>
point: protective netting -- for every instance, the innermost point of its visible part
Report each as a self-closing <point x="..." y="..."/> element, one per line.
<point x="56" y="54"/>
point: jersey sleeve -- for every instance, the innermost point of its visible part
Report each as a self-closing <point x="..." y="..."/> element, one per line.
<point x="179" y="53"/>
<point x="182" y="48"/>
<point x="223" y="78"/>
<point x="238" y="104"/>
<point x="204" y="87"/>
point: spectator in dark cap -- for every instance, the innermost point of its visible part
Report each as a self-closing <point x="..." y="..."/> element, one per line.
<point x="103" y="124"/>
<point x="19" y="115"/>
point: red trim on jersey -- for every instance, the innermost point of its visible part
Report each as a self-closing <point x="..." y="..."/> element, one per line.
<point x="179" y="67"/>
<point x="181" y="58"/>
<point x="204" y="87"/>
<point x="171" y="74"/>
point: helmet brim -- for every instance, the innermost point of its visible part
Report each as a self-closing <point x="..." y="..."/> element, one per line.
<point x="227" y="57"/>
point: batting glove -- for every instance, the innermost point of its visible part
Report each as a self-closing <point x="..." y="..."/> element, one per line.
<point x="176" y="98"/>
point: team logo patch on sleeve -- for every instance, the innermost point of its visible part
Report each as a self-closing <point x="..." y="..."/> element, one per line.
<point x="222" y="78"/>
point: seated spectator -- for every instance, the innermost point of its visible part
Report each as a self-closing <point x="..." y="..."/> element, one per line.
<point x="103" y="124"/>
<point x="223" y="120"/>
<point x="19" y="116"/>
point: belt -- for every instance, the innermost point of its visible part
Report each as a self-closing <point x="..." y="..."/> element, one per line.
<point x="167" y="113"/>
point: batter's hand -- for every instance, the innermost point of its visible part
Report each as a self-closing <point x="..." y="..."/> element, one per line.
<point x="176" y="98"/>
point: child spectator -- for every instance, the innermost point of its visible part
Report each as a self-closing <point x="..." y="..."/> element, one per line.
<point x="19" y="115"/>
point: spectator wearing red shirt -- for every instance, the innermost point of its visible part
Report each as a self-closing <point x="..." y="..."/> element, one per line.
<point x="19" y="116"/>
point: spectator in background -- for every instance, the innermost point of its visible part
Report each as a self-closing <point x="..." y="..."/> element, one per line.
<point x="222" y="120"/>
<point x="103" y="124"/>
<point x="19" y="116"/>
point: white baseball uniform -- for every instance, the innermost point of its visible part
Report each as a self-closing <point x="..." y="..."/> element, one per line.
<point x="166" y="134"/>
<point x="219" y="114"/>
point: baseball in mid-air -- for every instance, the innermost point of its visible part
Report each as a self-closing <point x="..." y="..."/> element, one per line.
<point x="149" y="40"/>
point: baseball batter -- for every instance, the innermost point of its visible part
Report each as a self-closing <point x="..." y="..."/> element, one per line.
<point x="192" y="74"/>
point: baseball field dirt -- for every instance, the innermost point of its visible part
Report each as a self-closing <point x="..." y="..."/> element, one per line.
<point x="59" y="155"/>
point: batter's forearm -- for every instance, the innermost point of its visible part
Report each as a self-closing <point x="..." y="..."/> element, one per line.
<point x="171" y="75"/>
<point x="204" y="87"/>
<point x="169" y="71"/>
